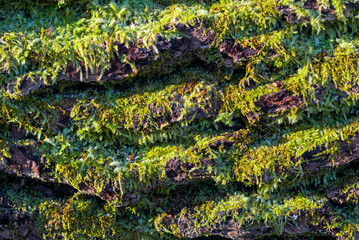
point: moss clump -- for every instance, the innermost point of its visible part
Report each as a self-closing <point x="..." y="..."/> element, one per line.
<point x="180" y="119"/>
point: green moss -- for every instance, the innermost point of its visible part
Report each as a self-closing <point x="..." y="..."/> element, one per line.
<point x="219" y="113"/>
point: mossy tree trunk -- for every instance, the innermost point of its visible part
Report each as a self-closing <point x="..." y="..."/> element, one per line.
<point x="177" y="119"/>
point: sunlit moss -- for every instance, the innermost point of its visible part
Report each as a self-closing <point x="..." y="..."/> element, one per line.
<point x="219" y="115"/>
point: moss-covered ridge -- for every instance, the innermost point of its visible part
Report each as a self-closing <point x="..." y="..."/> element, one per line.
<point x="179" y="119"/>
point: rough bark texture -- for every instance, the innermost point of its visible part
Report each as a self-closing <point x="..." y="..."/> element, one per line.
<point x="206" y="120"/>
<point x="231" y="229"/>
<point x="161" y="57"/>
<point x="16" y="225"/>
